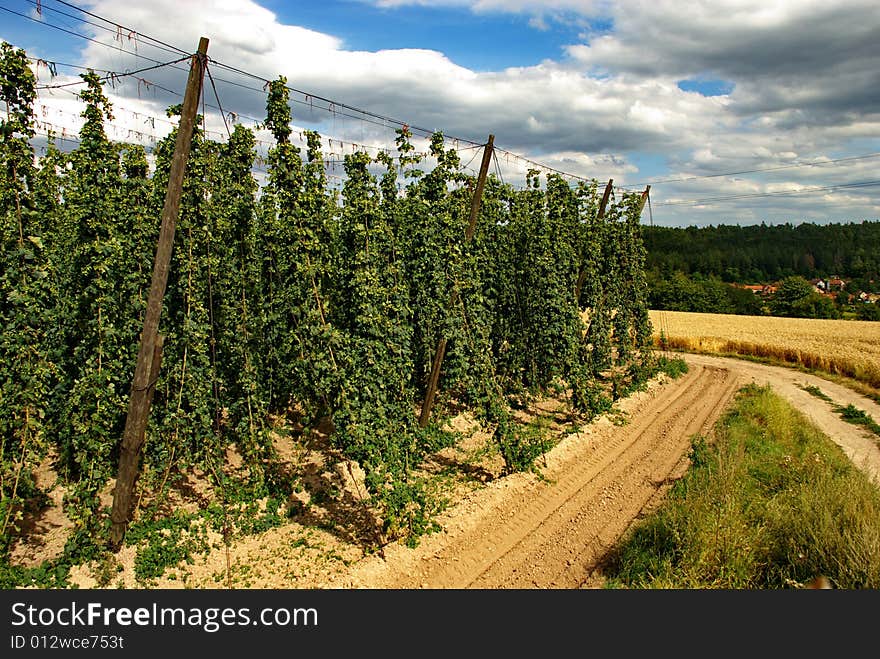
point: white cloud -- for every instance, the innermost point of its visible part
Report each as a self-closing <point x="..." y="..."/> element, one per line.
<point x="804" y="73"/>
<point x="506" y="6"/>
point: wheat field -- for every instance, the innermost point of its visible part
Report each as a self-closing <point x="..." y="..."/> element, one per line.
<point x="844" y="347"/>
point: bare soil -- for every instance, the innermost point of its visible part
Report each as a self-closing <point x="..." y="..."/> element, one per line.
<point x="550" y="529"/>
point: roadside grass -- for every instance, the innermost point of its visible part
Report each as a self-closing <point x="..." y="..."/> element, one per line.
<point x="863" y="371"/>
<point x="849" y="413"/>
<point x="861" y="378"/>
<point x="768" y="503"/>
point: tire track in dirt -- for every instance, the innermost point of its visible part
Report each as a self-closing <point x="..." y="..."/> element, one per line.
<point x="550" y="534"/>
<point x="522" y="531"/>
<point x="564" y="549"/>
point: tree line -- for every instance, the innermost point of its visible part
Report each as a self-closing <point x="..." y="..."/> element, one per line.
<point x="702" y="269"/>
<point x="763" y="253"/>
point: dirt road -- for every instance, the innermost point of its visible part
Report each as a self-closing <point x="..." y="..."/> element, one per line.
<point x="524" y="532"/>
<point x="854" y="440"/>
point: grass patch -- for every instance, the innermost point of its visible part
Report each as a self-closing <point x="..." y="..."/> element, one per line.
<point x="849" y="413"/>
<point x="852" y="414"/>
<point x="770" y="503"/>
<point x="674" y="367"/>
<point x="813" y="390"/>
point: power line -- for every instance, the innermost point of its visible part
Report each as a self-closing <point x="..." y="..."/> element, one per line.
<point x="113" y="75"/>
<point x="754" y="195"/>
<point x="816" y="163"/>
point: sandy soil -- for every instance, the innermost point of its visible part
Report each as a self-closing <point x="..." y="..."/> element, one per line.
<point x="526" y="530"/>
<point x="529" y="533"/>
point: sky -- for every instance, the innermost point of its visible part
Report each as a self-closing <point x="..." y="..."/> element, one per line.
<point x="688" y="97"/>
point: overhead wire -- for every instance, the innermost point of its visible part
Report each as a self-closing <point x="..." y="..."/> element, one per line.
<point x="113" y="75"/>
<point x="753" y="195"/>
<point x="77" y="34"/>
<point x="101" y="18"/>
<point x="344" y="110"/>
<point x="117" y="30"/>
<point x="332" y="106"/>
<point x="497" y="166"/>
<point x="217" y="96"/>
<point x="338" y="104"/>
<point x="817" y="163"/>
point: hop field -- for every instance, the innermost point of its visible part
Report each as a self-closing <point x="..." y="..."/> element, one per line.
<point x="844" y="347"/>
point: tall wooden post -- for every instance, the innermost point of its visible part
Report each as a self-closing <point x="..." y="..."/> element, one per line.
<point x="605" y="197"/>
<point x="149" y="354"/>
<point x="468" y="236"/>
<point x="644" y="198"/>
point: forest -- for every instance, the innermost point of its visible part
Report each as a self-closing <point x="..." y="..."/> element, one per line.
<point x="764" y="253"/>
<point x="703" y="269"/>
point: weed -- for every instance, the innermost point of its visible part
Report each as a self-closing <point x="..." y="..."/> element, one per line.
<point x="849" y="413"/>
<point x="854" y="415"/>
<point x="769" y="503"/>
<point x="817" y="392"/>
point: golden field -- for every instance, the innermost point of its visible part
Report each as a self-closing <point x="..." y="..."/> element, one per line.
<point x="844" y="347"/>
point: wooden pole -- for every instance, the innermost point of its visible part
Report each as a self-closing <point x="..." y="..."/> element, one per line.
<point x="478" y="193"/>
<point x="644" y="198"/>
<point x="605" y="197"/>
<point x="468" y="236"/>
<point x="146" y="370"/>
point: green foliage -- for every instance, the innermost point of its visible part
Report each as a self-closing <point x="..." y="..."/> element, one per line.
<point x="294" y="302"/>
<point x="521" y="445"/>
<point x="374" y="419"/>
<point x="696" y="293"/>
<point x="766" y="253"/>
<point x="852" y="414"/>
<point x="813" y="390"/>
<point x="674" y="367"/>
<point x="849" y="413"/>
<point x="795" y="297"/>
<point x="26" y="297"/>
<point x="868" y="311"/>
<point x="770" y="503"/>
<point x="686" y="266"/>
<point x="98" y="287"/>
<point x="167" y="542"/>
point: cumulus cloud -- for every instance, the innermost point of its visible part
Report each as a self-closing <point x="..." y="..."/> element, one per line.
<point x="803" y="77"/>
<point x="544" y="108"/>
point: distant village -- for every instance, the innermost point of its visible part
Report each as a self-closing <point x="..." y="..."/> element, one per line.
<point x="829" y="288"/>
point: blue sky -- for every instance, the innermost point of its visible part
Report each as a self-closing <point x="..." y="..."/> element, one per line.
<point x="458" y="32"/>
<point x="689" y="97"/>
